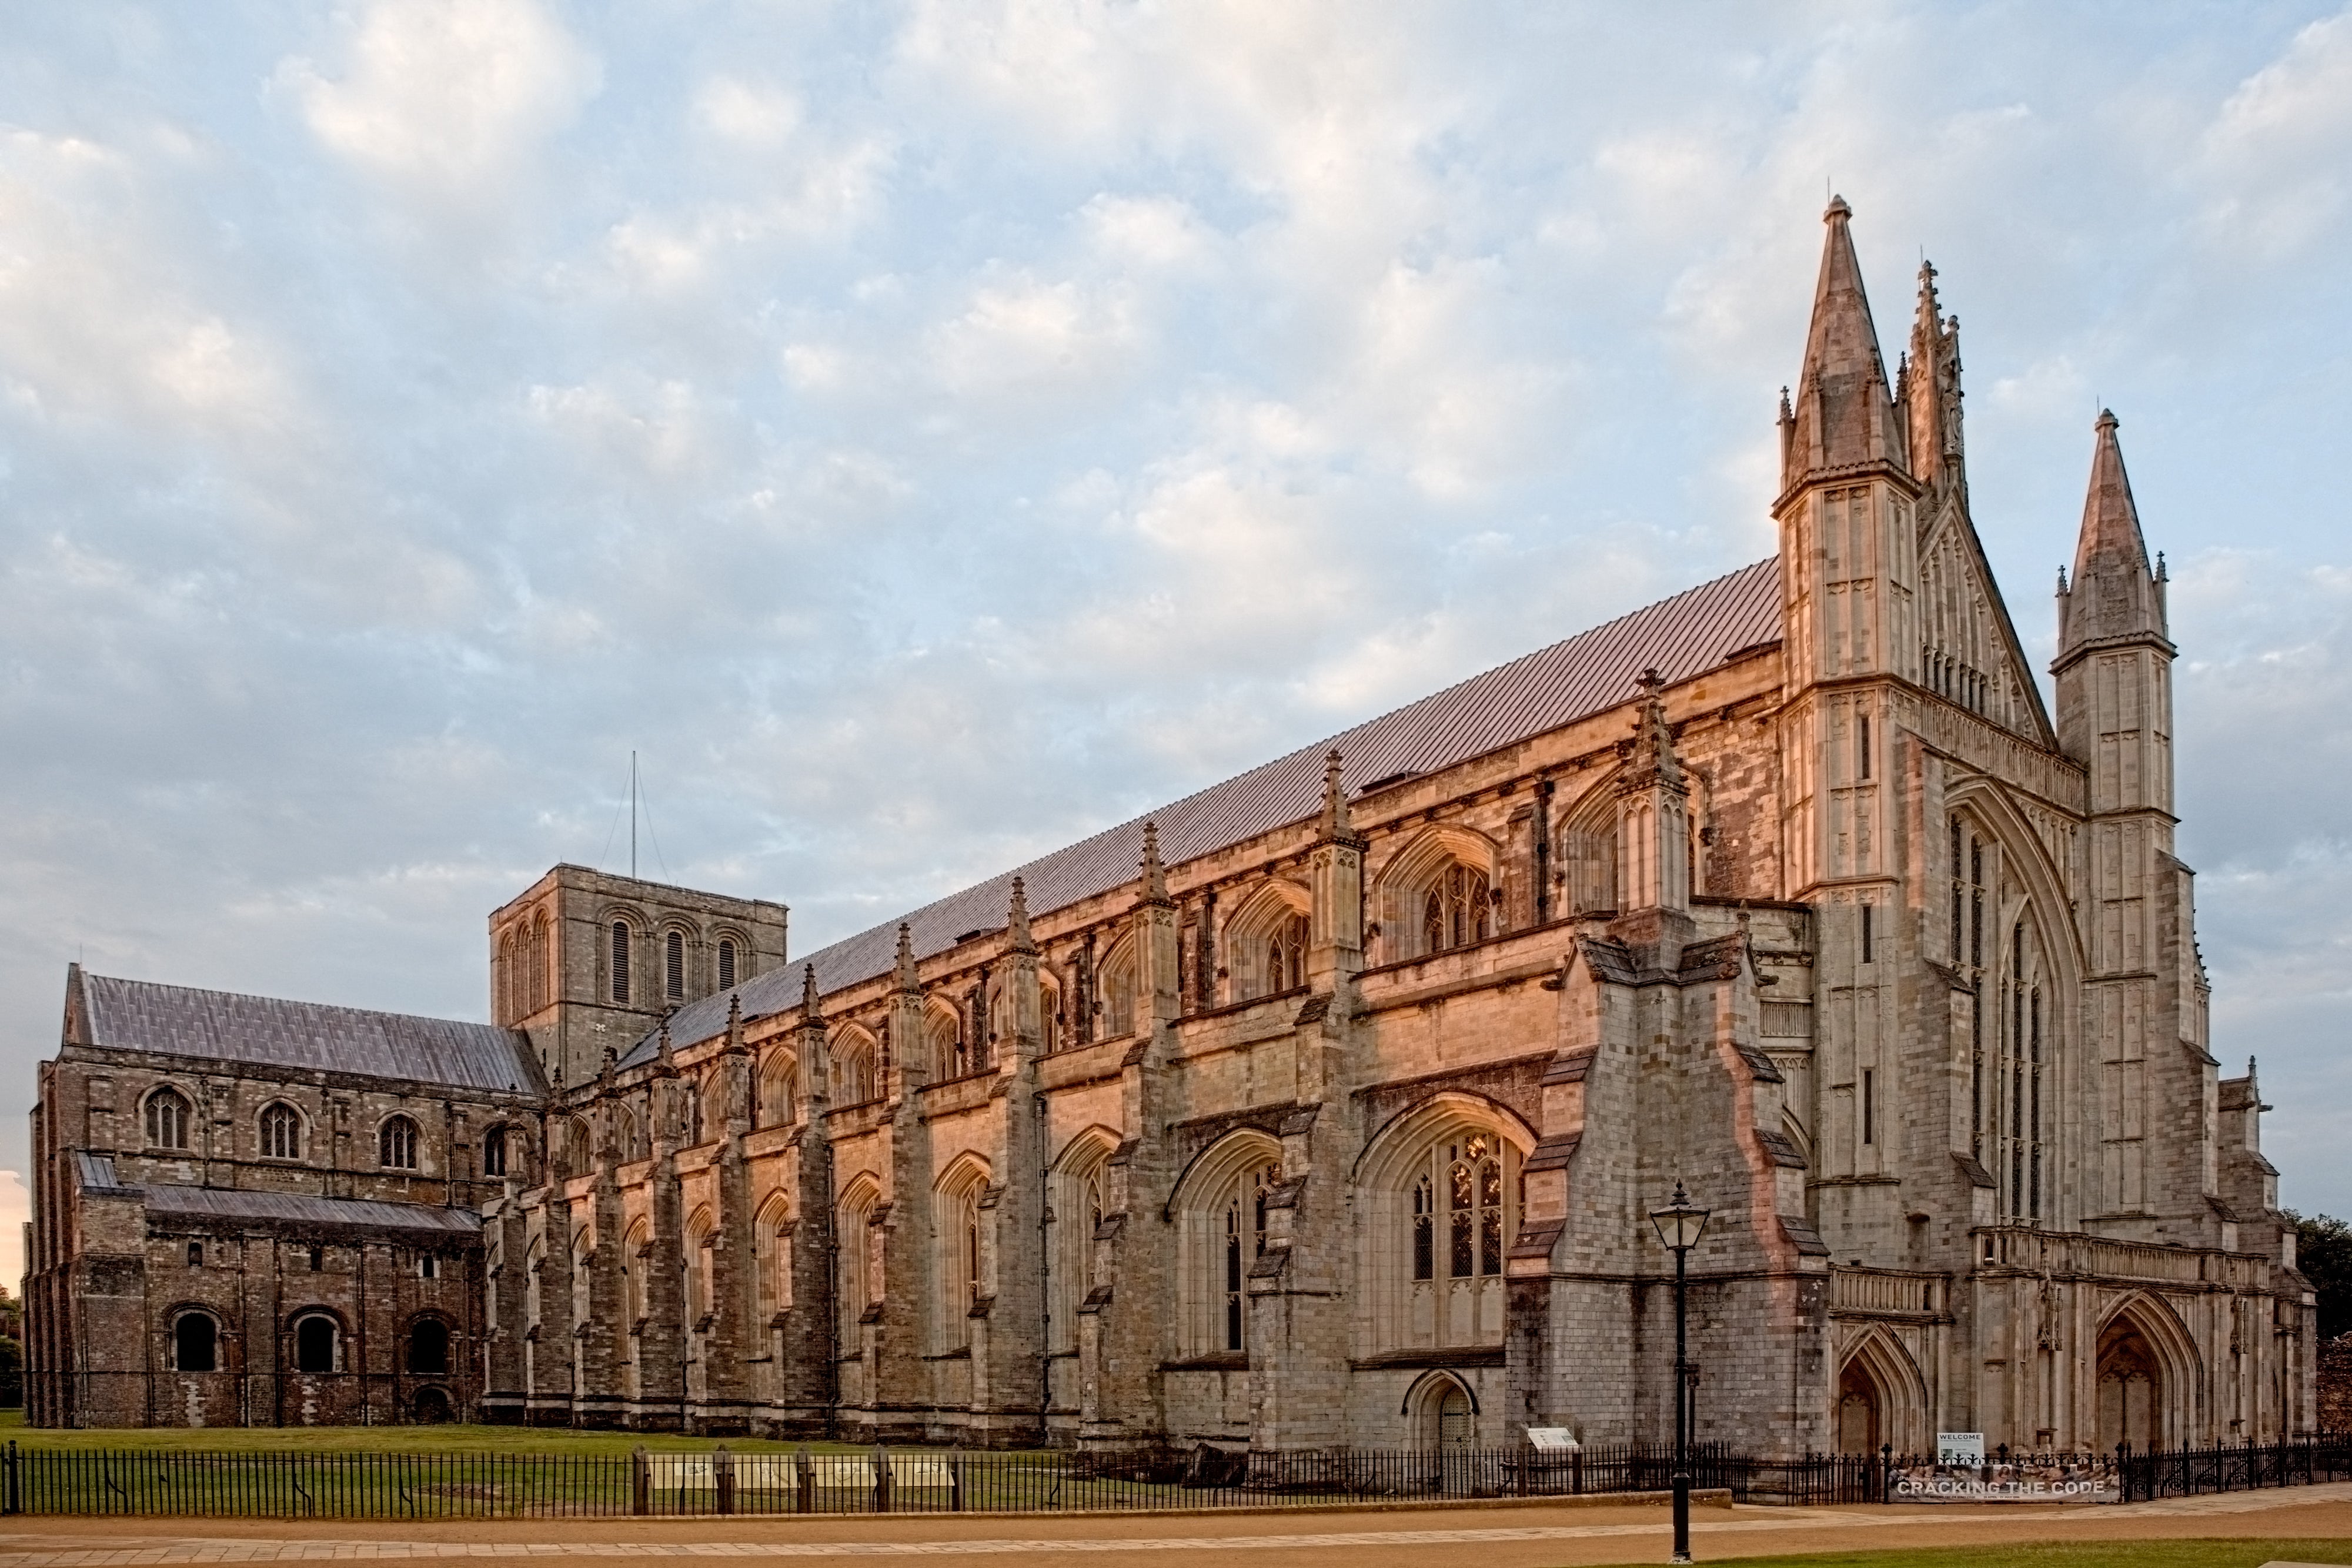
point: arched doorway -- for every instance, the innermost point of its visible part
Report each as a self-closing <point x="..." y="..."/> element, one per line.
<point x="431" y="1405"/>
<point x="2131" y="1388"/>
<point x="1861" y="1411"/>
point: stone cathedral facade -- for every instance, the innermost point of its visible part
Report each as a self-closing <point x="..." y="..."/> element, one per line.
<point x="1327" y="1105"/>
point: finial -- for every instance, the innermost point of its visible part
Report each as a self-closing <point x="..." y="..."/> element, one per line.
<point x="2163" y="573"/>
<point x="810" y="1011"/>
<point x="1016" y="920"/>
<point x="1335" y="796"/>
<point x="664" y="1056"/>
<point x="1155" y="875"/>
<point x="1651" y="681"/>
<point x="1788" y="415"/>
<point x="1837" y="209"/>
<point x="2062" y="579"/>
<point x="904" y="965"/>
<point x="2106" y="420"/>
<point x="734" y="1019"/>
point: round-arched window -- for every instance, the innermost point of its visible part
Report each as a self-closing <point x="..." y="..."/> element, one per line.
<point x="195" y="1343"/>
<point x="428" y="1346"/>
<point x="318" y="1342"/>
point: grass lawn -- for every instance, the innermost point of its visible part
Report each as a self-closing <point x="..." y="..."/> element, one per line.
<point x="2078" y="1554"/>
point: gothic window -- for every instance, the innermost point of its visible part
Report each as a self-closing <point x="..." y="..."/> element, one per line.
<point x="856" y="1078"/>
<point x="2017" y="1079"/>
<point x="535" y="964"/>
<point x="1220" y="1210"/>
<point x="318" y="1342"/>
<point x="693" y="1128"/>
<point x="775" y="1088"/>
<point x="1049" y="1017"/>
<point x="1968" y="907"/>
<point x="494" y="1151"/>
<point x="702" y="1295"/>
<point x="771" y="1243"/>
<point x="635" y="1247"/>
<point x="620" y="960"/>
<point x="195" y="1343"/>
<point x="674" y="965"/>
<point x="1453" y="911"/>
<point x="167" y="1119"/>
<point x="428" y="1347"/>
<point x="943" y="1029"/>
<point x="1078" y="1212"/>
<point x="1442" y="1206"/>
<point x="282" y="1131"/>
<point x="1286" y="956"/>
<point x="1118" y="992"/>
<point x="727" y="963"/>
<point x="957" y="1272"/>
<point x="396" y="1145"/>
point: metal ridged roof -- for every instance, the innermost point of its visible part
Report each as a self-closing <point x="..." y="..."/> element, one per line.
<point x="1681" y="637"/>
<point x="135" y="1015"/>
<point x="296" y="1209"/>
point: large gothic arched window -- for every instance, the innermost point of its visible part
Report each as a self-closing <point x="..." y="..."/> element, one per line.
<point x="1221" y="1213"/>
<point x="1441" y="1202"/>
<point x="1454" y="910"/>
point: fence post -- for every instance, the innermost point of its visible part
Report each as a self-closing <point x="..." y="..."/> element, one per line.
<point x="955" y="1483"/>
<point x="803" y="1481"/>
<point x="15" y="1489"/>
<point x="722" y="1470"/>
<point x="881" y="1478"/>
<point x="641" y="1480"/>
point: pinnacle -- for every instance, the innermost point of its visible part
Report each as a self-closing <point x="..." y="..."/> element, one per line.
<point x="1844" y="412"/>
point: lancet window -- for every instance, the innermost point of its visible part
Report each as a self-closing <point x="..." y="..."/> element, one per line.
<point x="167" y="1119"/>
<point x="1221" y="1213"/>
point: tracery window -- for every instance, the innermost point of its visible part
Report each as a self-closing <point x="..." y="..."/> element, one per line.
<point x="1286" y="956"/>
<point x="1453" y="911"/>
<point x="282" y="1131"/>
<point x="957" y="1275"/>
<point x="1967" y="948"/>
<point x="396" y="1145"/>
<point x="1219" y="1208"/>
<point x="1443" y="1204"/>
<point x="1244" y="1244"/>
<point x="167" y="1119"/>
<point x="1077" y="1213"/>
<point x="1118" y="992"/>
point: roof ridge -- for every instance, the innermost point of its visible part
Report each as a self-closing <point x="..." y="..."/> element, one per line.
<point x="292" y="1001"/>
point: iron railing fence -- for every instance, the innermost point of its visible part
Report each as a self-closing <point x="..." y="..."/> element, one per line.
<point x="330" y="1484"/>
<point x="2147" y="1476"/>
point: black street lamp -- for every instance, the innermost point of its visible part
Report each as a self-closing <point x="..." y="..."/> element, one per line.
<point x="1680" y="1224"/>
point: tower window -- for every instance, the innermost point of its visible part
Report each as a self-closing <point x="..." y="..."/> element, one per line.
<point x="428" y="1265"/>
<point x="1869" y="943"/>
<point x="620" y="960"/>
<point x="1862" y="749"/>
<point x="494" y="1151"/>
<point x="196" y="1254"/>
<point x="674" y="965"/>
<point x="396" y="1145"/>
<point x="1869" y="1105"/>
<point x="318" y="1259"/>
<point x="727" y="963"/>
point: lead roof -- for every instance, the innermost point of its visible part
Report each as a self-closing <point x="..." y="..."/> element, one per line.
<point x="1594" y="671"/>
<point x="179" y="1021"/>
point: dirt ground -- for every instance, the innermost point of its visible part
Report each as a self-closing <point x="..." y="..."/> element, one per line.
<point x="1529" y="1537"/>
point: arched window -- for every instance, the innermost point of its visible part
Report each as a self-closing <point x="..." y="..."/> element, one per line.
<point x="318" y="1342"/>
<point x="1441" y="1198"/>
<point x="167" y="1119"/>
<point x="1453" y="911"/>
<point x="674" y="965"/>
<point x="701" y="1286"/>
<point x="1077" y="1211"/>
<point x="572" y="1149"/>
<point x="943" y="1033"/>
<point x="537" y="967"/>
<point x="727" y="963"/>
<point x="428" y="1346"/>
<point x="395" y="1145"/>
<point x="282" y="1131"/>
<point x="1220" y="1209"/>
<point x="620" y="960"/>
<point x="775" y="1106"/>
<point x="1118" y="992"/>
<point x="858" y="1250"/>
<point x="195" y="1343"/>
<point x="1049" y="1017"/>
<point x="854" y="1054"/>
<point x="958" y="1276"/>
<point x="1286" y="956"/>
<point x="772" y="1244"/>
<point x="494" y="1151"/>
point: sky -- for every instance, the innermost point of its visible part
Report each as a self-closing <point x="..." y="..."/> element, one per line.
<point x="926" y="434"/>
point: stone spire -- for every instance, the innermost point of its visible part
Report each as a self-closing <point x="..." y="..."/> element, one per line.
<point x="1337" y="823"/>
<point x="902" y="969"/>
<point x="734" y="1021"/>
<point x="1155" y="875"/>
<point x="1017" y="933"/>
<point x="812" y="1013"/>
<point x="1845" y="414"/>
<point x="2114" y="594"/>
<point x="1655" y="761"/>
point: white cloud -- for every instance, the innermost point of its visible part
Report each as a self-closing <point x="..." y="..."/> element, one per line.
<point x="449" y="97"/>
<point x="2277" y="154"/>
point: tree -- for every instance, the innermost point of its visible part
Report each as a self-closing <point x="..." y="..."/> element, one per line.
<point x="2323" y="1250"/>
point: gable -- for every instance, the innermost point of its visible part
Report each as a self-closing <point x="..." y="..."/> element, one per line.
<point x="1969" y="648"/>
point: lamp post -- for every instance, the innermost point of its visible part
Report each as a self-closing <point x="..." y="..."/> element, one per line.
<point x="1680" y="1224"/>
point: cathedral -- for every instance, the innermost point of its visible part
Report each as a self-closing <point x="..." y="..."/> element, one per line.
<point x="1325" y="1106"/>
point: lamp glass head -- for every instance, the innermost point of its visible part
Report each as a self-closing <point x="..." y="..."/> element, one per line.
<point x="1681" y="1223"/>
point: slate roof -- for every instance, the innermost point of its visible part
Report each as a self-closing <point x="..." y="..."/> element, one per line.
<point x="176" y="1020"/>
<point x="1592" y="672"/>
<point x="296" y="1209"/>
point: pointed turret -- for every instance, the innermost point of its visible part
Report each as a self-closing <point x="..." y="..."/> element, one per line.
<point x="902" y="968"/>
<point x="2114" y="596"/>
<point x="1337" y="823"/>
<point x="1653" y="812"/>
<point x="1930" y="393"/>
<point x="1155" y="875"/>
<point x="811" y="1012"/>
<point x="1017" y="935"/>
<point x="1843" y="416"/>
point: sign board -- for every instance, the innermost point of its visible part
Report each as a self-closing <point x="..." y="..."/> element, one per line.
<point x="2028" y="1478"/>
<point x="1551" y="1439"/>
<point x="1959" y="1447"/>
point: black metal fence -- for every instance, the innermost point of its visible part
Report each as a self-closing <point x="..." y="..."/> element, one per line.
<point x="326" y="1484"/>
<point x="2232" y="1467"/>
